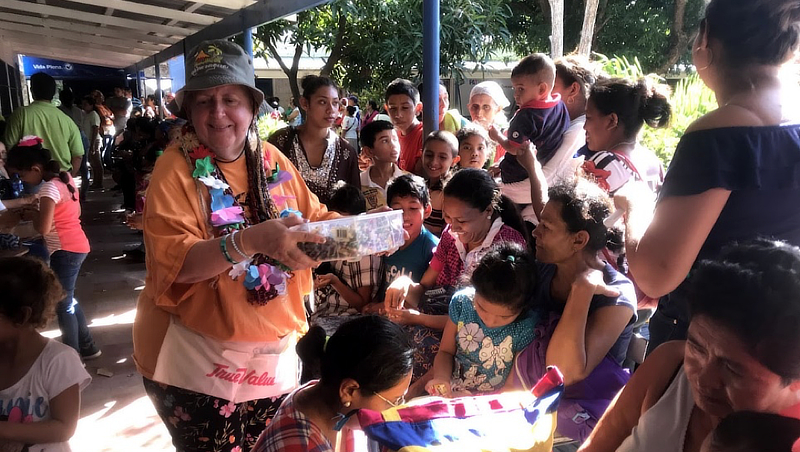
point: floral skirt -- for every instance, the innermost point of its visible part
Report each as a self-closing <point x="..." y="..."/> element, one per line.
<point x="199" y="422"/>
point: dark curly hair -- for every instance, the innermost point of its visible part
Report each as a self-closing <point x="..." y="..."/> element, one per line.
<point x="30" y="291"/>
<point x="584" y="207"/>
<point x="753" y="289"/>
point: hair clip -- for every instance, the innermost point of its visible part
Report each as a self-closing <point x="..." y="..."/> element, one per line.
<point x="511" y="259"/>
<point x="342" y="419"/>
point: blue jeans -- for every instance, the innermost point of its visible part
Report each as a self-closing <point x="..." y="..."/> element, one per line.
<point x="71" y="321"/>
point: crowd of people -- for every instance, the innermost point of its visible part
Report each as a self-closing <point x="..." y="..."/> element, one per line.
<point x="547" y="239"/>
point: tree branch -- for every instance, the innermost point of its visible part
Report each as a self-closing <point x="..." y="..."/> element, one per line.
<point x="678" y="39"/>
<point x="338" y="46"/>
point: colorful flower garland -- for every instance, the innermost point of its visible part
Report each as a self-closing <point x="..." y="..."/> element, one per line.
<point x="264" y="277"/>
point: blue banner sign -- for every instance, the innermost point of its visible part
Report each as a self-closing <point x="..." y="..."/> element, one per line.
<point x="64" y="70"/>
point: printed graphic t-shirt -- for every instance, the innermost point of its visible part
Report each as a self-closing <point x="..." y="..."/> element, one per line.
<point x="56" y="369"/>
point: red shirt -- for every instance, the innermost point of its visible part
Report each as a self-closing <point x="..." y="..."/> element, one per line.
<point x="410" y="148"/>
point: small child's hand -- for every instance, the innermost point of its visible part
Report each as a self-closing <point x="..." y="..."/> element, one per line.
<point x="404" y="316"/>
<point x="438" y="387"/>
<point x="495" y="134"/>
<point x="326" y="280"/>
<point x="373" y="308"/>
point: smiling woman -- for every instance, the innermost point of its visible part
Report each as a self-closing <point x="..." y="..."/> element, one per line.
<point x="216" y="283"/>
<point x="322" y="157"/>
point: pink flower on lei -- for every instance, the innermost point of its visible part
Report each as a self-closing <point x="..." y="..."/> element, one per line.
<point x="226" y="216"/>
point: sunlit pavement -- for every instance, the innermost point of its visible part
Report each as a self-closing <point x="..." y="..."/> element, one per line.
<point x="116" y="415"/>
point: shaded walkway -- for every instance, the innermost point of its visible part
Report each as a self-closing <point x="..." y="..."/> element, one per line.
<point x="116" y="415"/>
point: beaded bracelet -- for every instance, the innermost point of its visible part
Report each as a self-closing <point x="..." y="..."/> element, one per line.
<point x="236" y="247"/>
<point x="223" y="245"/>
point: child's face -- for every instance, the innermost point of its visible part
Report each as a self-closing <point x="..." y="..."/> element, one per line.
<point x="437" y="159"/>
<point x="87" y="107"/>
<point x="527" y="88"/>
<point x="387" y="146"/>
<point x="402" y="111"/>
<point x="414" y="213"/>
<point x="472" y="152"/>
<point x="493" y="315"/>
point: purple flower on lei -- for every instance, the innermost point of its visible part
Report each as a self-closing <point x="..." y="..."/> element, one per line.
<point x="265" y="276"/>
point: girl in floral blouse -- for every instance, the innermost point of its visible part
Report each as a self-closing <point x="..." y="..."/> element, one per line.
<point x="489" y="323"/>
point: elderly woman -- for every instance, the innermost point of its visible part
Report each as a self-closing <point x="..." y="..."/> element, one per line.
<point x="590" y="307"/>
<point x="735" y="171"/>
<point x="217" y="321"/>
<point x="486" y="104"/>
<point x="740" y="355"/>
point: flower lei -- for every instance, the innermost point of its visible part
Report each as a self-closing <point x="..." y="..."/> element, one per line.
<point x="264" y="278"/>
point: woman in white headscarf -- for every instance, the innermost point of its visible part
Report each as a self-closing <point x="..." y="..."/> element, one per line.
<point x="486" y="104"/>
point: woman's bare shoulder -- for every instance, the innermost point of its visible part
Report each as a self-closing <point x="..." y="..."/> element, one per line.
<point x="727" y="116"/>
<point x="659" y="369"/>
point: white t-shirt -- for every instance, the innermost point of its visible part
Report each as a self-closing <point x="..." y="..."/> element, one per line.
<point x="56" y="369"/>
<point x="350" y="127"/>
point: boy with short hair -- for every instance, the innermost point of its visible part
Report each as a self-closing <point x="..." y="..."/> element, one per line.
<point x="541" y="119"/>
<point x="410" y="194"/>
<point x="403" y="106"/>
<point x="341" y="288"/>
<point x="379" y="143"/>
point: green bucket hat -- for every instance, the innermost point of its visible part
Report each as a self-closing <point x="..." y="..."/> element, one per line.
<point x="215" y="63"/>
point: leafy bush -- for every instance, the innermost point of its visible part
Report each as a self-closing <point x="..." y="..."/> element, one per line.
<point x="268" y="124"/>
<point x="690" y="99"/>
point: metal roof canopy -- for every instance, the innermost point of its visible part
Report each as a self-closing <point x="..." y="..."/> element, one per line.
<point x="130" y="34"/>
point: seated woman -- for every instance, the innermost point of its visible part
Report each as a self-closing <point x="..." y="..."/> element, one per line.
<point x="365" y="364"/>
<point x="478" y="217"/>
<point x="588" y="307"/>
<point x="742" y="353"/>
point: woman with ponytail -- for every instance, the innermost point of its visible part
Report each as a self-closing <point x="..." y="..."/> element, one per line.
<point x="225" y="277"/>
<point x="365" y="364"/>
<point x="615" y="113"/>
<point x="59" y="222"/>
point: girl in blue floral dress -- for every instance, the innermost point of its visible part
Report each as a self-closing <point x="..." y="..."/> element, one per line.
<point x="489" y="324"/>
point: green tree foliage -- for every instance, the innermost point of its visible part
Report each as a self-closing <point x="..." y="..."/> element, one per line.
<point x="628" y="28"/>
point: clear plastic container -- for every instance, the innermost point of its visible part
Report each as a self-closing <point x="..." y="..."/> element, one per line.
<point x="350" y="238"/>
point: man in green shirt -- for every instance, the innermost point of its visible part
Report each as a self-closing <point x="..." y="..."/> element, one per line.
<point x="43" y="119"/>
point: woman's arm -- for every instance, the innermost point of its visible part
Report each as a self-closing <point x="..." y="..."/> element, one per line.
<point x="357" y="298"/>
<point x="443" y="363"/>
<point x="527" y="158"/>
<point x="272" y="238"/>
<point x="414" y="317"/>
<point x="662" y="251"/>
<point x="644" y="389"/>
<point x="405" y="292"/>
<point x="64" y="413"/>
<point x="580" y="342"/>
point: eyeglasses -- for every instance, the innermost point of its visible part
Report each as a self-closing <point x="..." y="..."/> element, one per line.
<point x="397" y="402"/>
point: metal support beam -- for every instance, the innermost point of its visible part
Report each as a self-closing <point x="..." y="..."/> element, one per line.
<point x="80" y="37"/>
<point x="430" y="65"/>
<point x="88" y="28"/>
<point x="248" y="46"/>
<point x="254" y="15"/>
<point x="159" y="92"/>
<point x="153" y="11"/>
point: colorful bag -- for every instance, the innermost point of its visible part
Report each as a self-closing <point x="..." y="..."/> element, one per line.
<point x="512" y="421"/>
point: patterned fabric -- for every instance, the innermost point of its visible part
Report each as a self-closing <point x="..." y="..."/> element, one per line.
<point x="292" y="431"/>
<point x="484" y="355"/>
<point x="366" y="272"/>
<point x="340" y="161"/>
<point x="201" y="422"/>
<point x="512" y="421"/>
<point x="427" y="340"/>
<point x="447" y="258"/>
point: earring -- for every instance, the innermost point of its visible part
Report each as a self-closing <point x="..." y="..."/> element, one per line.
<point x="709" y="56"/>
<point x="347" y="404"/>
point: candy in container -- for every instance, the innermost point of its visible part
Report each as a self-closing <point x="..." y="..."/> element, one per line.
<point x="350" y="238"/>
